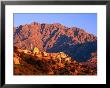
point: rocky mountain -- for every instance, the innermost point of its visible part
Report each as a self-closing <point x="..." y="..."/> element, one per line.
<point x="54" y="38"/>
<point x="35" y="62"/>
<point x="92" y="62"/>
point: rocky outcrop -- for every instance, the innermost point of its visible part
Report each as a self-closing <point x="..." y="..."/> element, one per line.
<point x="43" y="63"/>
<point x="92" y="62"/>
<point x="49" y="37"/>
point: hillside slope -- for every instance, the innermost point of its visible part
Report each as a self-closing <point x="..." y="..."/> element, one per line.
<point x="54" y="38"/>
<point x="42" y="63"/>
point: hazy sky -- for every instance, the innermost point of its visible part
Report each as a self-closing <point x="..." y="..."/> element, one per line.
<point x="86" y="21"/>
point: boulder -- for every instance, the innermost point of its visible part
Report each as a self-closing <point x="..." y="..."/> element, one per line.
<point x="16" y="60"/>
<point x="45" y="54"/>
<point x="36" y="50"/>
<point x="63" y="55"/>
<point x="68" y="59"/>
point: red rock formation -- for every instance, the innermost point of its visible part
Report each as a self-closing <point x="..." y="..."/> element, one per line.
<point x="51" y="64"/>
<point x="44" y="36"/>
<point x="92" y="63"/>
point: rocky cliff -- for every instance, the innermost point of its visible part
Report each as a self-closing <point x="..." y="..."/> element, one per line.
<point x="54" y="38"/>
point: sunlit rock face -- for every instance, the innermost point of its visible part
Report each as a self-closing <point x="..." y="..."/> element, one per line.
<point x="36" y="50"/>
<point x="53" y="38"/>
<point x="43" y="63"/>
<point x="54" y="49"/>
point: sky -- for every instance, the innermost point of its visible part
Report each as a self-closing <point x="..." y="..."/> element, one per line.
<point x="86" y="21"/>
